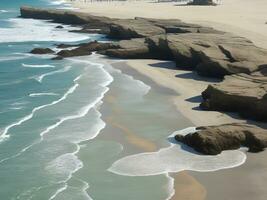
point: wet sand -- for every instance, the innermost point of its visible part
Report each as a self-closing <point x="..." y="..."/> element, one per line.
<point x="245" y="182"/>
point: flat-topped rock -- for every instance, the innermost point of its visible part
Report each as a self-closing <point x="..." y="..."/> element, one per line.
<point x="212" y="55"/>
<point x="242" y="93"/>
<point x="133" y="28"/>
<point x="212" y="140"/>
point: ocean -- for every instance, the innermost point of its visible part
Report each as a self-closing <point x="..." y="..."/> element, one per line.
<point x="80" y="128"/>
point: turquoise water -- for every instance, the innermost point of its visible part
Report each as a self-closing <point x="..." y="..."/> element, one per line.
<point x="59" y="136"/>
<point x="50" y="118"/>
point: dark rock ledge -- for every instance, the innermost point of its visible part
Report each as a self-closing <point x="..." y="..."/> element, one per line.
<point x="240" y="64"/>
<point x="212" y="140"/>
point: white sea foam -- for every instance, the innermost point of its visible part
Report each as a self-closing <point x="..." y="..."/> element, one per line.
<point x="42" y="94"/>
<point x="4" y="135"/>
<point x="40" y="56"/>
<point x="57" y="167"/>
<point x="58" y="2"/>
<point x="41" y="77"/>
<point x="175" y="159"/>
<point x="3" y="11"/>
<point x="19" y="103"/>
<point x="81" y="113"/>
<point x="170" y="187"/>
<point x="138" y="86"/>
<point x="66" y="165"/>
<point x="16" y="108"/>
<point x="10" y="58"/>
<point x="58" y="192"/>
<point x="37" y="30"/>
<point x="37" y="66"/>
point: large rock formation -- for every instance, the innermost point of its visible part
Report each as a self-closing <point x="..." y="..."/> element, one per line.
<point x="210" y="52"/>
<point x="115" y="28"/>
<point x="84" y="49"/>
<point x="212" y="55"/>
<point x="212" y="140"/>
<point x="242" y="93"/>
<point x="88" y="22"/>
<point x="41" y="51"/>
<point x="130" y="49"/>
<point x="135" y="28"/>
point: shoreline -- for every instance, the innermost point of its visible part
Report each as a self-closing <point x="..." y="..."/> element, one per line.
<point x="182" y="182"/>
<point x="187" y="100"/>
<point x="164" y="74"/>
<point x="201" y="185"/>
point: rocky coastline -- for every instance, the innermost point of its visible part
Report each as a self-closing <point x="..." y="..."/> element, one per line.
<point x="241" y="66"/>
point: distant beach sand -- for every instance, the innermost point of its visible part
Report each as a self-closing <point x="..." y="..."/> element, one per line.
<point x="243" y="17"/>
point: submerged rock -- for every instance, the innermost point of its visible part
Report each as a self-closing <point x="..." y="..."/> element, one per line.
<point x="59" y="27"/>
<point x="212" y="140"/>
<point x="41" y="51"/>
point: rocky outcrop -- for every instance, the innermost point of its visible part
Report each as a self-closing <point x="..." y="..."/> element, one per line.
<point x="130" y="49"/>
<point x="242" y="93"/>
<point x="84" y="49"/>
<point x="214" y="55"/>
<point x="115" y="28"/>
<point x="41" y="51"/>
<point x="88" y="22"/>
<point x="209" y="52"/>
<point x="133" y="28"/>
<point x="59" y="26"/>
<point x="202" y="2"/>
<point x="212" y="140"/>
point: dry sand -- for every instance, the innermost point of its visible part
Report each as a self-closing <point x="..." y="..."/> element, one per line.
<point x="243" y="17"/>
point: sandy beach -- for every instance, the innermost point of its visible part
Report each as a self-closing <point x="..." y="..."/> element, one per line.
<point x="241" y="17"/>
<point x="110" y="100"/>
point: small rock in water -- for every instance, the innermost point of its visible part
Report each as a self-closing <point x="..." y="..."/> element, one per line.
<point x="59" y="27"/>
<point x="41" y="51"/>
